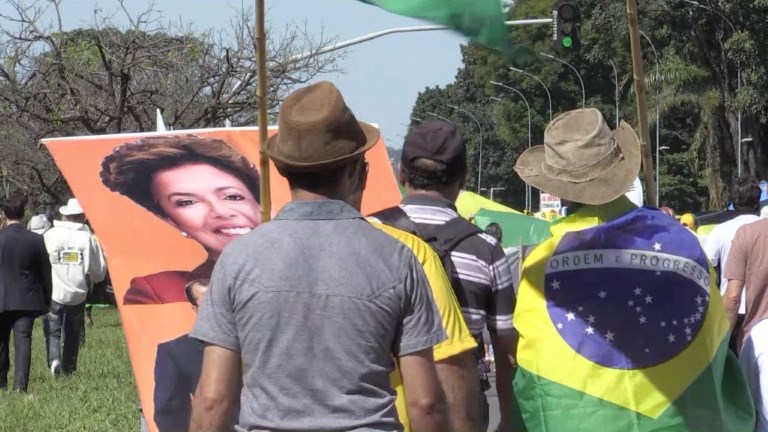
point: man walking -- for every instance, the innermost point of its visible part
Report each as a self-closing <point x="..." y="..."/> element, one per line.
<point x="746" y="200"/>
<point x="433" y="171"/>
<point x="77" y="261"/>
<point x="308" y="313"/>
<point x="25" y="291"/>
<point x="621" y="324"/>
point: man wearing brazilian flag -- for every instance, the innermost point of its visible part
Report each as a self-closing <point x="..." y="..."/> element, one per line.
<point x="620" y="318"/>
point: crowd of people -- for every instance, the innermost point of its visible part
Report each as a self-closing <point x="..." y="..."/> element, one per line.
<point x="324" y="319"/>
<point x="46" y="269"/>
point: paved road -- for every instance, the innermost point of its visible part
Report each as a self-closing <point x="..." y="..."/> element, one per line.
<point x="493" y="402"/>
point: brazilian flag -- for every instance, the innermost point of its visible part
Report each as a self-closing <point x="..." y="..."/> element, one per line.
<point x="622" y="328"/>
<point x="481" y="20"/>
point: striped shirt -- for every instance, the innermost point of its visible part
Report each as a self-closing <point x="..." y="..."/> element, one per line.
<point x="482" y="276"/>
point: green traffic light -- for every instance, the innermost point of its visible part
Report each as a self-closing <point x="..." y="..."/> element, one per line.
<point x="567" y="42"/>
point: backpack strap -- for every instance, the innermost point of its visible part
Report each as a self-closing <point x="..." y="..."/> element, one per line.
<point x="398" y="218"/>
<point x="452" y="233"/>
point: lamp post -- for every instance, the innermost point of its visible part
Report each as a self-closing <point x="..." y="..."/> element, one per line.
<point x="658" y="168"/>
<point x="578" y="75"/>
<point x="480" y="128"/>
<point x="549" y="95"/>
<point x="528" y="197"/>
<point x="616" y="91"/>
<point x="658" y="118"/>
<point x="439" y="116"/>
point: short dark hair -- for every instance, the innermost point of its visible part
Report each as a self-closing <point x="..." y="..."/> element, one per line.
<point x="427" y="174"/>
<point x="746" y="193"/>
<point x="15" y="206"/>
<point x="494" y="230"/>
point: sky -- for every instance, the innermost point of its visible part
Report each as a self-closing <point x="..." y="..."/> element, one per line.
<point x="380" y="78"/>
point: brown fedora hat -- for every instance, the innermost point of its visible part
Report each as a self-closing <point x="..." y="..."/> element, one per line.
<point x="317" y="131"/>
<point x="582" y="160"/>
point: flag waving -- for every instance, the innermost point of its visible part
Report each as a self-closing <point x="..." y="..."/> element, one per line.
<point x="622" y="329"/>
<point x="481" y="20"/>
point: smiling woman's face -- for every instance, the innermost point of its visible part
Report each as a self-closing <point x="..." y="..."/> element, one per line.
<point x="212" y="206"/>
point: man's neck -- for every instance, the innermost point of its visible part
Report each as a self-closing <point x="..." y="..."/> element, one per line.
<point x="9" y="222"/>
<point x="411" y="192"/>
<point x="305" y="195"/>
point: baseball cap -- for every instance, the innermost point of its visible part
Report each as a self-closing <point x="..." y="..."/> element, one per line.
<point x="436" y="140"/>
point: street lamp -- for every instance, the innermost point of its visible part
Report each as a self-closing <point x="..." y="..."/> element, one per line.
<point x="438" y="116"/>
<point x="578" y="75"/>
<point x="480" y="128"/>
<point x="658" y="118"/>
<point x="549" y="96"/>
<point x="658" y="168"/>
<point x="616" y="91"/>
<point x="528" y="191"/>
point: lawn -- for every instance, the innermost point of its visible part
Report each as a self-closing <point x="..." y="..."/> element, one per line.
<point x="101" y="396"/>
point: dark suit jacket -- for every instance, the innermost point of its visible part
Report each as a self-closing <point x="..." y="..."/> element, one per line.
<point x="25" y="271"/>
<point x="177" y="371"/>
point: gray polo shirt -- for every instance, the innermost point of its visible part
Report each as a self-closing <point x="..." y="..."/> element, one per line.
<point x="317" y="302"/>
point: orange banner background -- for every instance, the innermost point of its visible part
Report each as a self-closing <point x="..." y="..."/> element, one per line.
<point x="137" y="242"/>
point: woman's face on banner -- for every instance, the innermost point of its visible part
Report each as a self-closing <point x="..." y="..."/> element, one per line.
<point x="211" y="206"/>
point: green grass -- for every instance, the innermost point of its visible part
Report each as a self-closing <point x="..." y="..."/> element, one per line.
<point x="101" y="396"/>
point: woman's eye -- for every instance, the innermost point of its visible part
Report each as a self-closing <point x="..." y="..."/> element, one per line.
<point x="234" y="197"/>
<point x="184" y="203"/>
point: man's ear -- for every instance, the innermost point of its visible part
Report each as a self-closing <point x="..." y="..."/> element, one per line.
<point x="402" y="177"/>
<point x="463" y="181"/>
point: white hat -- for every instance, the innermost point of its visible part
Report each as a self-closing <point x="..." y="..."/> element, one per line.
<point x="72" y="208"/>
<point x="39" y="224"/>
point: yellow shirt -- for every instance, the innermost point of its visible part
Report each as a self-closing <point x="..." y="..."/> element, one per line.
<point x="459" y="339"/>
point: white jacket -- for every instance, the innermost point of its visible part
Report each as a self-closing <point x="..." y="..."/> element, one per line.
<point x="76" y="261"/>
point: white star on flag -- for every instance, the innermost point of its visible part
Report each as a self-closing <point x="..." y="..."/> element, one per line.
<point x="560" y="325"/>
<point x="642" y="319"/>
<point x="590" y="330"/>
<point x="638" y="291"/>
<point x="648" y="299"/>
<point x="631" y="303"/>
<point x="685" y="321"/>
<point x="663" y="323"/>
<point x="671" y="338"/>
<point x="687" y="330"/>
<point x="638" y="309"/>
<point x="657" y="246"/>
<point x="689" y="337"/>
<point x="602" y="294"/>
<point x="698" y="316"/>
<point x="571" y="316"/>
<point x="674" y="322"/>
<point x="555" y="284"/>
<point x="580" y="308"/>
<point x="609" y="336"/>
<point x="701" y="308"/>
<point x="591" y="319"/>
<point x="699" y="299"/>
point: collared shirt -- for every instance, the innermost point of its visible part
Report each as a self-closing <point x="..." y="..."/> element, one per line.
<point x="318" y="303"/>
<point x="483" y="278"/>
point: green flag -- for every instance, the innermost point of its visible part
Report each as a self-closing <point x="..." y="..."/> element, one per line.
<point x="480" y="20"/>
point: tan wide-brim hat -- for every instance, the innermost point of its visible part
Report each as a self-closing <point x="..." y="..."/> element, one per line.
<point x="582" y="160"/>
<point x="317" y="131"/>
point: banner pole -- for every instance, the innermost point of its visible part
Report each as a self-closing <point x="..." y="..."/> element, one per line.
<point x="642" y="106"/>
<point x="263" y="120"/>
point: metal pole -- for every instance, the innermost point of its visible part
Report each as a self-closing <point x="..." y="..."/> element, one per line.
<point x="642" y="113"/>
<point x="439" y="116"/>
<point x="480" y="159"/>
<point x="578" y="75"/>
<point x="658" y="118"/>
<point x="616" y="91"/>
<point x="549" y="95"/>
<point x="261" y="96"/>
<point x="528" y="189"/>
<point x="738" y="88"/>
<point x="378" y="34"/>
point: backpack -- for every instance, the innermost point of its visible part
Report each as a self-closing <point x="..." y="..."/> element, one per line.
<point x="443" y="239"/>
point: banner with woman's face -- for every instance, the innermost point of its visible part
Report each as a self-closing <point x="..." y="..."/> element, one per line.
<point x="164" y="205"/>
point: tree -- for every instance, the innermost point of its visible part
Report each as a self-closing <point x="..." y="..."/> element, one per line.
<point x="109" y="78"/>
<point x="702" y="51"/>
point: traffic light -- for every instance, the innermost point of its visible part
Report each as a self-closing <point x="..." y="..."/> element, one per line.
<point x="566" y="25"/>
